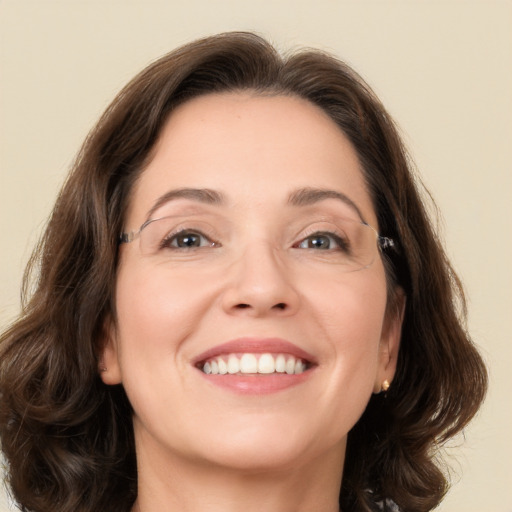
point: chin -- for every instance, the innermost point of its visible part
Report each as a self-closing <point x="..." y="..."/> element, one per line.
<point x="267" y="445"/>
<point x="255" y="458"/>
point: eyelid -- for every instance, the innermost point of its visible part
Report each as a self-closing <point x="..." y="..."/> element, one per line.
<point x="326" y="227"/>
<point x="182" y="208"/>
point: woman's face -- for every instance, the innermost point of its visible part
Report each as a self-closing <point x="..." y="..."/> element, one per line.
<point x="249" y="278"/>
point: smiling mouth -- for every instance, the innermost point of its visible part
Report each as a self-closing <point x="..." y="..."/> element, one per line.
<point x="254" y="364"/>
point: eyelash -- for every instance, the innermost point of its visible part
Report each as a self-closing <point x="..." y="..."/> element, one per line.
<point x="341" y="242"/>
<point x="167" y="242"/>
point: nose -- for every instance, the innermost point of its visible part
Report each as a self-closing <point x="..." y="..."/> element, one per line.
<point x="260" y="284"/>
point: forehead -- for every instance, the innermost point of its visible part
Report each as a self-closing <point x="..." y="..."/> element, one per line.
<point x="254" y="149"/>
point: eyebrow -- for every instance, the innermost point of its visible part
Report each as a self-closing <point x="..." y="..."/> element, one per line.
<point x="302" y="197"/>
<point x="202" y="195"/>
<point x="308" y="196"/>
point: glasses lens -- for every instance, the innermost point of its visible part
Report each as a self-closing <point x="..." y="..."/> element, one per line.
<point x="359" y="247"/>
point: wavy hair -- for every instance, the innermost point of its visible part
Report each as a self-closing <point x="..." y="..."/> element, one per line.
<point x="67" y="438"/>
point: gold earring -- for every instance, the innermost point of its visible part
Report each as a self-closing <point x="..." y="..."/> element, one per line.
<point x="385" y="386"/>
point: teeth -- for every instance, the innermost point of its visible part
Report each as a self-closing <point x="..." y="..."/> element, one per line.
<point x="248" y="364"/>
<point x="280" y="364"/>
<point x="266" y="364"/>
<point x="254" y="364"/>
<point x="290" y="366"/>
<point x="223" y="367"/>
<point x="233" y="364"/>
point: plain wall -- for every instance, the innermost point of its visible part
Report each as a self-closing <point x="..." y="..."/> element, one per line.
<point x="443" y="69"/>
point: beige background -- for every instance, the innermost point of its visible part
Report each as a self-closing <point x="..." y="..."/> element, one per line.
<point x="443" y="68"/>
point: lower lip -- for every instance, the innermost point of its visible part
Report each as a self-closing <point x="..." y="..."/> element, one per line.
<point x="257" y="384"/>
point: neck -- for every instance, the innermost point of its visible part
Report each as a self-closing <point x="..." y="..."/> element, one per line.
<point x="188" y="486"/>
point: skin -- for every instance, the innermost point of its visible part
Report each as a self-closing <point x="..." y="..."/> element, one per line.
<point x="203" y="447"/>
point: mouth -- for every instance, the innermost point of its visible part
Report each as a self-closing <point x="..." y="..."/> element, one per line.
<point x="250" y="365"/>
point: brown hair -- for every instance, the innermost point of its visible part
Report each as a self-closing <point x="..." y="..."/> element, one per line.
<point x="67" y="438"/>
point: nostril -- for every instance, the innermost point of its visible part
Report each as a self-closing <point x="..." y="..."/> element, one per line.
<point x="243" y="306"/>
<point x="281" y="305"/>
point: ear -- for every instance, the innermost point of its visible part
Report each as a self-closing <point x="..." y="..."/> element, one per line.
<point x="390" y="342"/>
<point x="108" y="367"/>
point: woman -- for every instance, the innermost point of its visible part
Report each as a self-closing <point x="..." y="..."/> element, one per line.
<point x="240" y="303"/>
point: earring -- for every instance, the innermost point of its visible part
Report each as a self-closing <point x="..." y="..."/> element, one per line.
<point x="385" y="386"/>
<point x="103" y="368"/>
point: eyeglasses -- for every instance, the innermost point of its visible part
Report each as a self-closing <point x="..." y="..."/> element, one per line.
<point x="351" y="243"/>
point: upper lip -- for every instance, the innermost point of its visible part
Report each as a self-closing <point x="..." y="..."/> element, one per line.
<point x="255" y="346"/>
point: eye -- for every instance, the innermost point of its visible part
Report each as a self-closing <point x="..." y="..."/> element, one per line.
<point x="323" y="242"/>
<point x="187" y="239"/>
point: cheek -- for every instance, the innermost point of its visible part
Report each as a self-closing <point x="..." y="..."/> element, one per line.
<point x="156" y="312"/>
<point x="351" y="307"/>
<point x="349" y="315"/>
